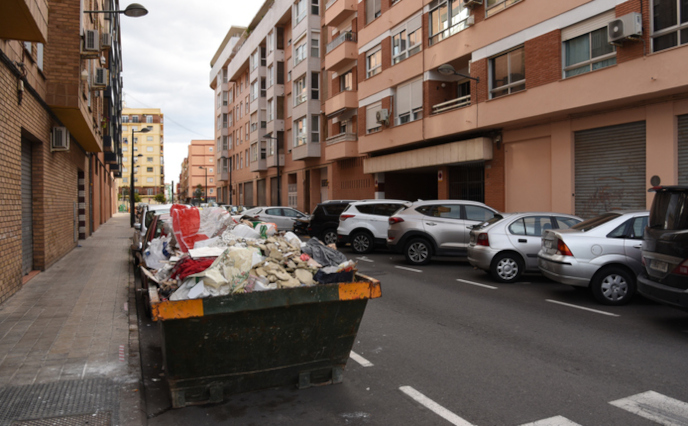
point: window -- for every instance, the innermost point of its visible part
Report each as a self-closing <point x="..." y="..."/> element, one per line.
<point x="409" y="102"/>
<point x="447" y="18"/>
<point x="669" y="24"/>
<point x="39" y="56"/>
<point x="289" y="75"/>
<point x="125" y="149"/>
<point x="149" y="159"/>
<point x="230" y="97"/>
<point x="149" y="119"/>
<point x="254" y="90"/>
<point x="300" y="91"/>
<point x="315" y="81"/>
<point x="372" y="125"/>
<point x="255" y="60"/>
<point x="247" y="131"/>
<point x="149" y="169"/>
<point x="225" y="96"/>
<point x="270" y="110"/>
<point x="262" y="87"/>
<point x="125" y="119"/>
<point x="300" y="131"/>
<point x="149" y="180"/>
<point x="406" y="40"/>
<point x="315" y="128"/>
<point x="149" y="149"/>
<point x="373" y="9"/>
<point x="300" y="53"/>
<point x="270" y="42"/>
<point x="374" y="62"/>
<point x="246" y="104"/>
<point x="270" y="75"/>
<point x="508" y="73"/>
<point x="533" y="226"/>
<point x="588" y="52"/>
<point x="494" y="6"/>
<point x="210" y="149"/>
<point x="315" y="7"/>
<point x="135" y="119"/>
<point x="299" y="10"/>
<point x="346" y="81"/>
<point x="315" y="46"/>
<point x="149" y="138"/>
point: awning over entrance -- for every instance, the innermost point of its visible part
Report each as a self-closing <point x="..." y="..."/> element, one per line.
<point x="478" y="149"/>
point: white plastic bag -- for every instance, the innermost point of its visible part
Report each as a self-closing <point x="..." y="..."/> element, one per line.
<point x="244" y="231"/>
<point x="156" y="251"/>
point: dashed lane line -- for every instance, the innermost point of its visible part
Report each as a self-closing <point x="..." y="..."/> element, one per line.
<point x="408" y="269"/>
<point x="359" y="359"/>
<point x="365" y="259"/>
<point x="583" y="308"/>
<point x="655" y="407"/>
<point x="434" y="407"/>
<point x="553" y="421"/>
<point x="478" y="284"/>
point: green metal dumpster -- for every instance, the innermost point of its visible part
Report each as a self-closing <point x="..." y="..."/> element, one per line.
<point x="219" y="346"/>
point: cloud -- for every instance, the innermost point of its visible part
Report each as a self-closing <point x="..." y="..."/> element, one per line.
<point x="166" y="64"/>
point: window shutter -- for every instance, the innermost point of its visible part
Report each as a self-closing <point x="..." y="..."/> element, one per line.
<point x="414" y="24"/>
<point x="370" y="10"/>
<point x="371" y="115"/>
<point x="584" y="27"/>
<point x="403" y="99"/>
<point x="417" y="94"/>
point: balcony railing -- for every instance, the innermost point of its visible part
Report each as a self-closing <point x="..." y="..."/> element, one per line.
<point x="453" y="104"/>
<point x="342" y="137"/>
<point x="341" y="38"/>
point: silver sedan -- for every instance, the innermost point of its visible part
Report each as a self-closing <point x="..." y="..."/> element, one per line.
<point x="602" y="253"/>
<point x="507" y="245"/>
<point x="282" y="217"/>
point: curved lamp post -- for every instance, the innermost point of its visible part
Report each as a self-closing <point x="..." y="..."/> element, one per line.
<point x="134" y="10"/>
<point x="205" y="196"/>
<point x="131" y="184"/>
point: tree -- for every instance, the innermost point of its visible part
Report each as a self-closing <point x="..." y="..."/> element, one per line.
<point x="137" y="197"/>
<point x="198" y="193"/>
<point x="160" y="198"/>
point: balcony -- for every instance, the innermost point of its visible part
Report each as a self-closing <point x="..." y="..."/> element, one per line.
<point x="272" y="160"/>
<point x="341" y="51"/>
<point x="347" y="99"/>
<point x="258" y="165"/>
<point x="111" y="158"/>
<point x="337" y="11"/>
<point x="343" y="145"/>
<point x="307" y="150"/>
<point x="452" y="104"/>
<point x="24" y="20"/>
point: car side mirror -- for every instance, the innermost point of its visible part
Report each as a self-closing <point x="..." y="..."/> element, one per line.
<point x="137" y="226"/>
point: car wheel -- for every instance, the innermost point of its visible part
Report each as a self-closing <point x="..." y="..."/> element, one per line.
<point x="506" y="267"/>
<point x="361" y="242"/>
<point x="418" y="252"/>
<point x="329" y="236"/>
<point x="613" y="286"/>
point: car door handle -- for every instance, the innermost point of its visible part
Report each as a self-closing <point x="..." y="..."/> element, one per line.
<point x="638" y="247"/>
<point x="521" y="240"/>
<point x="431" y="223"/>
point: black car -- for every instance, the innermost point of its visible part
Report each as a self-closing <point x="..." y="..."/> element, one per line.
<point x="665" y="248"/>
<point x="324" y="221"/>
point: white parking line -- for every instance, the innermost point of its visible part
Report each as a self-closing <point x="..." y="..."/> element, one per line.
<point x="408" y="269"/>
<point x="435" y="407"/>
<point x="478" y="284"/>
<point x="583" y="308"/>
<point x="655" y="407"/>
<point x="359" y="359"/>
<point x="553" y="421"/>
<point x="365" y="259"/>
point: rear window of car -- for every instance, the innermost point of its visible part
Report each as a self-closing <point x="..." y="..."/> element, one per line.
<point x="593" y="223"/>
<point x="334" y="209"/>
<point x="669" y="211"/>
<point x="566" y="222"/>
<point x="533" y="226"/>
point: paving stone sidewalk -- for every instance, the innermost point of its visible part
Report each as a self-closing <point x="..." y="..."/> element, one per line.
<point x="69" y="340"/>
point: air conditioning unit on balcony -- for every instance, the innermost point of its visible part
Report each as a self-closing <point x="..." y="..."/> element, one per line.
<point x="100" y="79"/>
<point x="59" y="139"/>
<point x="470" y="3"/>
<point x="625" y="27"/>
<point x="105" y="41"/>
<point x="382" y="117"/>
<point x="91" y="41"/>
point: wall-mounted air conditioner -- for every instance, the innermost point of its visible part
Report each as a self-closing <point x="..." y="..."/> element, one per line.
<point x="59" y="139"/>
<point x="382" y="116"/>
<point x="91" y="41"/>
<point x="105" y="41"/>
<point x="624" y="27"/>
<point x="100" y="78"/>
<point x="470" y="3"/>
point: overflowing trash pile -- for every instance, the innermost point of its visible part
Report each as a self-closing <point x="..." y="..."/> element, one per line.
<point x="204" y="253"/>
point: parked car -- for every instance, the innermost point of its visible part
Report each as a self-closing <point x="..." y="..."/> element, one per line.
<point x="602" y="253"/>
<point x="364" y="224"/>
<point x="435" y="228"/>
<point x="507" y="245"/>
<point x="140" y="228"/>
<point x="282" y="217"/>
<point x="665" y="248"/>
<point x="323" y="223"/>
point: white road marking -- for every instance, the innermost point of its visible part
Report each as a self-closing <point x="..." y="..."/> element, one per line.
<point x="478" y="284"/>
<point x="435" y="407"/>
<point x="408" y="269"/>
<point x="365" y="259"/>
<point x="359" y="359"/>
<point x="583" y="308"/>
<point x="655" y="407"/>
<point x="553" y="421"/>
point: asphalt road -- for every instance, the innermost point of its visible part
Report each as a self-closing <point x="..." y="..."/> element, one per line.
<point x="446" y="345"/>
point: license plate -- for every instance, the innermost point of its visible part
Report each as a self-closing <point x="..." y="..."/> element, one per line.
<point x="658" y="265"/>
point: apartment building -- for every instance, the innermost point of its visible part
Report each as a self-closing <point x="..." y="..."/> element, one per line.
<point x="143" y="139"/>
<point x="198" y="178"/>
<point x="60" y="106"/>
<point x="575" y="106"/>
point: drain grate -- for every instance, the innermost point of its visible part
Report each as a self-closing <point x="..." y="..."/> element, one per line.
<point x="97" y="419"/>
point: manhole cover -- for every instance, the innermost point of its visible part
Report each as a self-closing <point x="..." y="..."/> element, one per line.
<point x="98" y="419"/>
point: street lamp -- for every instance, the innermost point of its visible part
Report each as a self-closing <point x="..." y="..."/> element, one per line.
<point x="448" y="69"/>
<point x="134" y="10"/>
<point x="229" y="165"/>
<point x="206" y="182"/>
<point x="279" y="184"/>
<point x="131" y="184"/>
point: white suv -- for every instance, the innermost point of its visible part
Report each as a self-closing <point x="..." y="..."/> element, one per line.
<point x="364" y="224"/>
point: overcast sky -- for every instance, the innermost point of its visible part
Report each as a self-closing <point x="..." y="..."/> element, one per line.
<point x="166" y="65"/>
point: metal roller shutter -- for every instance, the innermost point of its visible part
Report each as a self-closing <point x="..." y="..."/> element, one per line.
<point x="683" y="150"/>
<point x="610" y="169"/>
<point x="248" y="194"/>
<point x="27" y="209"/>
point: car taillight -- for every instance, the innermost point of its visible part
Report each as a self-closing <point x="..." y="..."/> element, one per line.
<point x="345" y="217"/>
<point x="563" y="249"/>
<point x="482" y="240"/>
<point x="392" y="220"/>
<point x="682" y="268"/>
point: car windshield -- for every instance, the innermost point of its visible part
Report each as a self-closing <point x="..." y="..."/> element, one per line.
<point x="593" y="223"/>
<point x="669" y="211"/>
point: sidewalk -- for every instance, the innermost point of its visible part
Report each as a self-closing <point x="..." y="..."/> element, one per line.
<point x="69" y="338"/>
